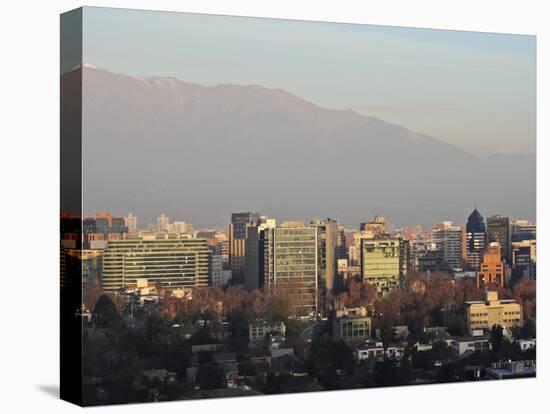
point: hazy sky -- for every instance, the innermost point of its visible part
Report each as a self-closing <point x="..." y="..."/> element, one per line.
<point x="474" y="90"/>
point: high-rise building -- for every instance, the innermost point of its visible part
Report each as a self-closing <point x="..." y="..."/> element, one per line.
<point x="384" y="262"/>
<point x="498" y="231"/>
<point x="175" y="261"/>
<point x="163" y="222"/>
<point x="524" y="259"/>
<point x="290" y="264"/>
<point x="328" y="251"/>
<point x="102" y="227"/>
<point x="131" y="223"/>
<point x="523" y="230"/>
<point x="342" y="242"/>
<point x="450" y="240"/>
<point x="375" y="227"/>
<point x="353" y="248"/>
<point x="420" y="242"/>
<point x="254" y="277"/>
<point x="237" y="243"/>
<point x="492" y="268"/>
<point x="430" y="261"/>
<point x="218" y="239"/>
<point x="476" y="239"/>
<point x="180" y="227"/>
<point x="215" y="267"/>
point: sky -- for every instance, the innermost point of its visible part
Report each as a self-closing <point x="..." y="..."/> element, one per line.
<point x="473" y="90"/>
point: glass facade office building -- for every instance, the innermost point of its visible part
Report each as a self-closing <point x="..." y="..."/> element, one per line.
<point x="290" y="264"/>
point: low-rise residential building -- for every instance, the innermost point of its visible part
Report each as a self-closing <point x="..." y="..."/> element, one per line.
<point x="512" y="369"/>
<point x="352" y="324"/>
<point x="527" y="344"/>
<point x="163" y="375"/>
<point x="463" y="344"/>
<point x="376" y="350"/>
<point x="486" y="314"/>
<point x="258" y="330"/>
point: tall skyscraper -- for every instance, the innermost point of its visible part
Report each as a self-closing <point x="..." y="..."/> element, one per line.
<point x="131" y="223"/>
<point x="492" y="268"/>
<point x="237" y="243"/>
<point x="498" y="231"/>
<point x="328" y="251"/>
<point x="175" y="261"/>
<point x="254" y="257"/>
<point x="383" y="262"/>
<point x="163" y="222"/>
<point x="451" y="241"/>
<point x="476" y="239"/>
<point x="290" y="264"/>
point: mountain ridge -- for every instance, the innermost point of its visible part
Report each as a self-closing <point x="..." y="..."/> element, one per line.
<point x="237" y="132"/>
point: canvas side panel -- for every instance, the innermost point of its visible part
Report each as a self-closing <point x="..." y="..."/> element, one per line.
<point x="71" y="207"/>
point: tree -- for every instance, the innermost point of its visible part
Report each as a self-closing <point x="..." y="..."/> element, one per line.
<point x="527" y="331"/>
<point x="106" y="314"/>
<point x="234" y="299"/>
<point x="202" y="336"/>
<point x="91" y="295"/>
<point x="386" y="373"/>
<point x="525" y="292"/>
<point x="328" y="359"/>
<point x="239" y="322"/>
<point x="211" y="376"/>
<point x="497" y="338"/>
<point x="247" y="369"/>
<point x="277" y="307"/>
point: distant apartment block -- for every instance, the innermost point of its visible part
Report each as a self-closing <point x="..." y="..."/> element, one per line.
<point x="174" y="261"/>
<point x="451" y="241"/>
<point x="131" y="223"/>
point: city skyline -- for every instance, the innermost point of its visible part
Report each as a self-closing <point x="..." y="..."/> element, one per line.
<point x="259" y="206"/>
<point x="143" y="224"/>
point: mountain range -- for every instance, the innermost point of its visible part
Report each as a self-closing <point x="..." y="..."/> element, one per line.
<point x="156" y="145"/>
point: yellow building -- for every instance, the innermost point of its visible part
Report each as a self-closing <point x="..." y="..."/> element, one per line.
<point x="491" y="270"/>
<point x="484" y="315"/>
